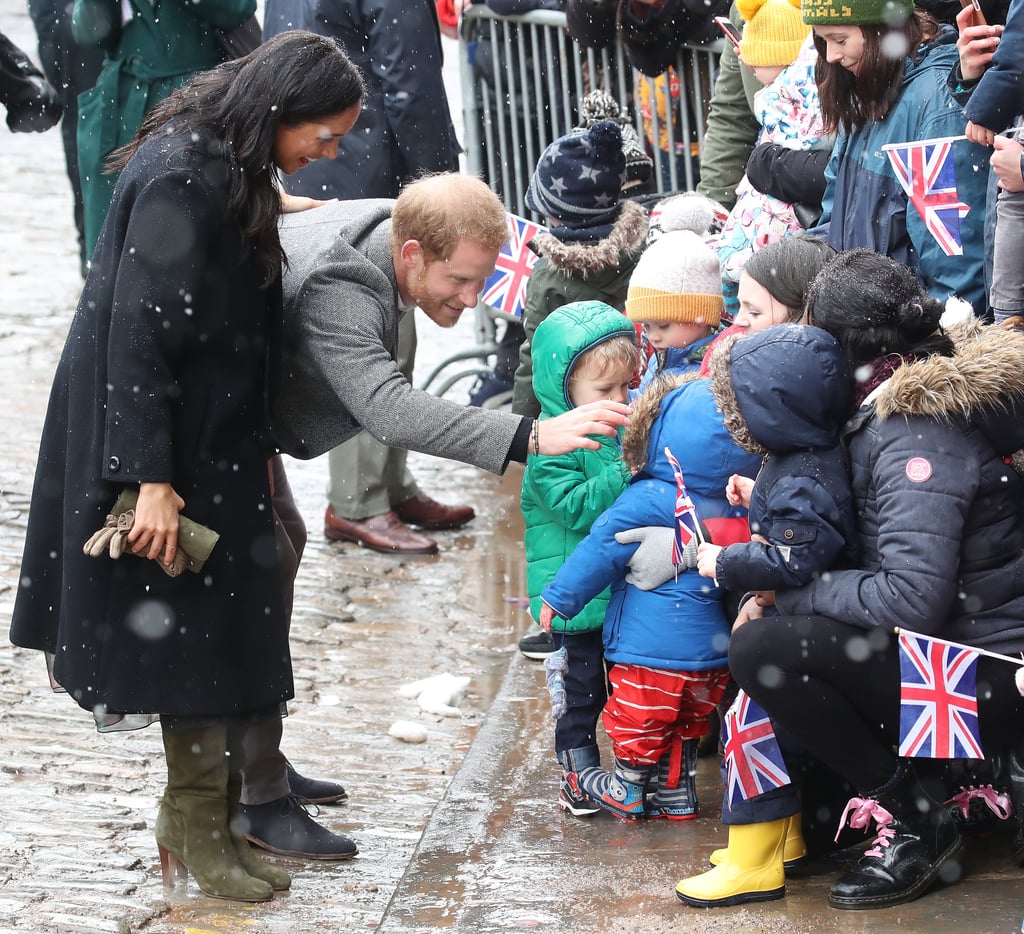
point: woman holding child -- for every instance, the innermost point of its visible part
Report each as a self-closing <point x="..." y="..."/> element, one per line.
<point x="882" y="78"/>
<point x="942" y="554"/>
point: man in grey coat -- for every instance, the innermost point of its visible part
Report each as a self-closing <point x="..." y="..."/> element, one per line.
<point x="354" y="269"/>
<point x="404" y="131"/>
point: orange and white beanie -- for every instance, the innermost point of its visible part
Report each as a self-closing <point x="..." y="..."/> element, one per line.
<point x="678" y="277"/>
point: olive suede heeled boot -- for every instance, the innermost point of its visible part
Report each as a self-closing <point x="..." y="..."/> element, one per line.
<point x="192" y="827"/>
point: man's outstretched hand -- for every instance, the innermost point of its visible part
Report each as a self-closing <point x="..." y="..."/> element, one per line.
<point x="570" y="431"/>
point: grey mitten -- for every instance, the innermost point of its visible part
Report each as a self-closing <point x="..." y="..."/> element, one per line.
<point x="689" y="559"/>
<point x="651" y="564"/>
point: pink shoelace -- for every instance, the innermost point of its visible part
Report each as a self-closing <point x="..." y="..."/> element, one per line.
<point x="862" y="811"/>
<point x="997" y="801"/>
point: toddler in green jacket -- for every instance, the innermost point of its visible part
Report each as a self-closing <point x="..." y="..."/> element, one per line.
<point x="583" y="351"/>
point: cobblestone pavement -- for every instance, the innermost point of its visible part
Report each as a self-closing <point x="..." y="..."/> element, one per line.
<point x="77" y="854"/>
<point x="76" y="808"/>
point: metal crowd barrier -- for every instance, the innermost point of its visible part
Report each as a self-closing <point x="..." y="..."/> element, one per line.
<point x="523" y="78"/>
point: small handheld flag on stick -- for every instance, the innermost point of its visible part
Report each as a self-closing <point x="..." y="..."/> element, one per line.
<point x="506" y="288"/>
<point x="927" y="173"/>
<point x="687" y="524"/>
<point x="938" y="699"/>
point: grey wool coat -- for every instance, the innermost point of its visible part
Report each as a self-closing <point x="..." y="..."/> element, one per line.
<point x="163" y="378"/>
<point x="339" y="373"/>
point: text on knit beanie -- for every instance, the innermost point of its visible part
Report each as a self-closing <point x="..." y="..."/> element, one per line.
<point x="773" y="33"/>
<point x="678" y="277"/>
<point x="856" y="12"/>
<point x="578" y="179"/>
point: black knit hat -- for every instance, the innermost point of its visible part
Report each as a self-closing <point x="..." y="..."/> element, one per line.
<point x="600" y="105"/>
<point x="579" y="177"/>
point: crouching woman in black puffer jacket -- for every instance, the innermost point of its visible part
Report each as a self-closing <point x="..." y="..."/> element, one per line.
<point x="941" y="524"/>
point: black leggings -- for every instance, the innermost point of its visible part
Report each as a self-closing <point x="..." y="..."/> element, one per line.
<point x="836" y="689"/>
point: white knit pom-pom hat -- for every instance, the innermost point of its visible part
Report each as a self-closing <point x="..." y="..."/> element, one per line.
<point x="678" y="277"/>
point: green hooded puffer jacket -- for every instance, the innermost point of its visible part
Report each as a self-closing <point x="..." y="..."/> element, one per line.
<point x="562" y="496"/>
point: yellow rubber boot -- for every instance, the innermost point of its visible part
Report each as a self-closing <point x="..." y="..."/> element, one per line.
<point x="794" y="850"/>
<point x="751" y="872"/>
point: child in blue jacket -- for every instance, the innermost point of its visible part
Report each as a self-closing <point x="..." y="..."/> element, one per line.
<point x="667" y="646"/>
<point x="675" y="292"/>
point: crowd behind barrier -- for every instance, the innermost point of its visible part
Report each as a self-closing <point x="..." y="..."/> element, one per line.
<point x="523" y="78"/>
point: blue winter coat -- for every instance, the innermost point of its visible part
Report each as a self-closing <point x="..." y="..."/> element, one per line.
<point x="865" y="206"/>
<point x="680" y="625"/>
<point x="801" y="501"/>
<point x="940" y="512"/>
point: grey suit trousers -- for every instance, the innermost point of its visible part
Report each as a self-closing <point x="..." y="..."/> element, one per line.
<point x="264" y="776"/>
<point x="366" y="477"/>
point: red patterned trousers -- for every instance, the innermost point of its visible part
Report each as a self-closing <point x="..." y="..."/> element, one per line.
<point x="652" y="710"/>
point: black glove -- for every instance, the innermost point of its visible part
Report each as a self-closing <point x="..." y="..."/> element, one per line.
<point x="32" y="103"/>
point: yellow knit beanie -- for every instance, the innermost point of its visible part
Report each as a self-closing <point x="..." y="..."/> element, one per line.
<point x="773" y="32"/>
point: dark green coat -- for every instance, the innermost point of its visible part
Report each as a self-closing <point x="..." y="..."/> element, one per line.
<point x="158" y="49"/>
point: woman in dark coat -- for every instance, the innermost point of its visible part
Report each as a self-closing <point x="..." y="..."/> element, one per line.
<point x="940" y="516"/>
<point x="162" y="389"/>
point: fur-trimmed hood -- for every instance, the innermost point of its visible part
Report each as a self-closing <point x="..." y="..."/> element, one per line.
<point x="625" y="242"/>
<point x="786" y="388"/>
<point x="986" y="373"/>
<point x="679" y="412"/>
<point x="646" y="406"/>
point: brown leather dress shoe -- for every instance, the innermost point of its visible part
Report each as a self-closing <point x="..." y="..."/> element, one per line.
<point x="385" y="532"/>
<point x="427" y="513"/>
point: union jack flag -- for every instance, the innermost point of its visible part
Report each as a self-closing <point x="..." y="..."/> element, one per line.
<point x="925" y="170"/>
<point x="685" y="513"/>
<point x="938" y="699"/>
<point x="506" y="288"/>
<point x="753" y="759"/>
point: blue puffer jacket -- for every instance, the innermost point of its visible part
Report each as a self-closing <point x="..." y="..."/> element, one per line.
<point x="675" y="361"/>
<point x="681" y="625"/>
<point x="801" y="501"/>
<point x="940" y="512"/>
<point x="865" y="206"/>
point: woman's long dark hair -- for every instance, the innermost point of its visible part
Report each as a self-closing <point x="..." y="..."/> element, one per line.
<point x="849" y="101"/>
<point x="875" y="306"/>
<point x="785" y="269"/>
<point x="295" y="77"/>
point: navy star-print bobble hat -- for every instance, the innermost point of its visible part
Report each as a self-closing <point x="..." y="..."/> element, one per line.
<point x="579" y="177"/>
